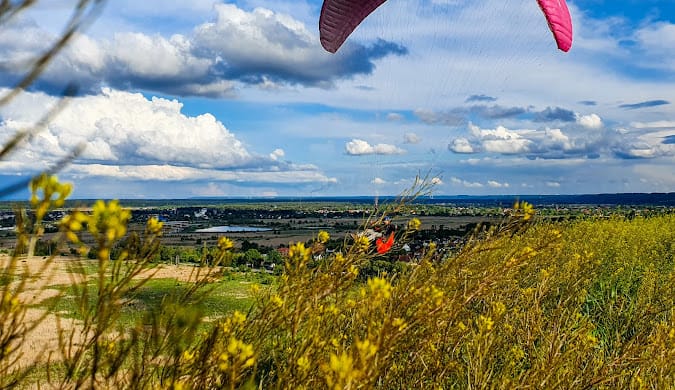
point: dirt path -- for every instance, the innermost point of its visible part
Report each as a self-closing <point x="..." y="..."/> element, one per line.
<point x="41" y="276"/>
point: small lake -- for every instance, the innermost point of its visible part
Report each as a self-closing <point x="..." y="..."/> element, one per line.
<point x="233" y="229"/>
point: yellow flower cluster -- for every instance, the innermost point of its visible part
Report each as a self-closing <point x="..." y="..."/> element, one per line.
<point x="323" y="236"/>
<point x="9" y="301"/>
<point x="237" y="354"/>
<point x="362" y="244"/>
<point x="414" y="224"/>
<point x="277" y="300"/>
<point x="527" y="209"/>
<point x="225" y="243"/>
<point x="50" y="187"/>
<point x="303" y="363"/>
<point x="72" y="223"/>
<point x="434" y="295"/>
<point x="485" y="324"/>
<point x="109" y="220"/>
<point x="379" y="288"/>
<point x="340" y="371"/>
<point x="298" y="253"/>
<point x="154" y="226"/>
<point x="366" y="349"/>
<point x="399" y="324"/>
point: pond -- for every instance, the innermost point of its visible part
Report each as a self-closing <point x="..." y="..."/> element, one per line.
<point x="233" y="229"/>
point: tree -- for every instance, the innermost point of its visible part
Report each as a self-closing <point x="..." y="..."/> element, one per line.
<point x="275" y="257"/>
<point x="254" y="257"/>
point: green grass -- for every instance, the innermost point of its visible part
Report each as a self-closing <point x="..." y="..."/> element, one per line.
<point x="224" y="296"/>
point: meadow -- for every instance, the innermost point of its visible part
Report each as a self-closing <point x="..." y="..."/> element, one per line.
<point x="527" y="303"/>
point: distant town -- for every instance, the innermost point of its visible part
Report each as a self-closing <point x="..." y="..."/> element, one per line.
<point x="265" y="227"/>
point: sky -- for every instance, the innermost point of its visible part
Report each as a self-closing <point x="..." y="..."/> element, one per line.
<point x="206" y="98"/>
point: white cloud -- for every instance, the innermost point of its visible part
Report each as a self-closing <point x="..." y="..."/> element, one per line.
<point x="394" y="116"/>
<point x="552" y="184"/>
<point x="277" y="154"/>
<point x="592" y="121"/>
<point x="496" y="184"/>
<point x="260" y="48"/>
<point x="436" y="181"/>
<point x="378" y="181"/>
<point x="658" y="39"/>
<point x="359" y="147"/>
<point x="464" y="183"/>
<point x="655" y="124"/>
<point x="128" y="136"/>
<point x="461" y="145"/>
<point x="411" y="138"/>
<point x="498" y="140"/>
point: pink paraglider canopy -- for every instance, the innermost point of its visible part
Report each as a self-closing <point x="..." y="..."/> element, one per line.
<point x="339" y="18"/>
<point x="559" y="21"/>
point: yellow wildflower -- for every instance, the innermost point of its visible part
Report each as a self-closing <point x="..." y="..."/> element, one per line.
<point x="517" y="352"/>
<point x="276" y="300"/>
<point x="238" y="317"/>
<point x="498" y="308"/>
<point x="362" y="243"/>
<point x="340" y="371"/>
<point x="154" y="226"/>
<point x="225" y="243"/>
<point x="414" y="224"/>
<point x="353" y="271"/>
<point x="366" y="349"/>
<point x="299" y="253"/>
<point x="400" y="324"/>
<point x="303" y="363"/>
<point x="379" y="288"/>
<point x="187" y="356"/>
<point x="484" y="323"/>
<point x="323" y="236"/>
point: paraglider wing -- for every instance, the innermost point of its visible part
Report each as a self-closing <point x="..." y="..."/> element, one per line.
<point x="340" y="17"/>
<point x="559" y="21"/>
<point x="384" y="246"/>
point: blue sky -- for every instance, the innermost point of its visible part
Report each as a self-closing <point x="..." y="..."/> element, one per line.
<point x="212" y="98"/>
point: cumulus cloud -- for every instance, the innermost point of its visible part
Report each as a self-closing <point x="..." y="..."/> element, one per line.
<point x="277" y="154"/>
<point x="378" y="181"/>
<point x="460" y="145"/>
<point x="411" y="138"/>
<point x="258" y="47"/>
<point x="552" y="184"/>
<point x="359" y="147"/>
<point x="572" y="142"/>
<point x="465" y="183"/>
<point x="592" y="121"/>
<point x="126" y="135"/>
<point x="500" y="140"/>
<point x="496" y="184"/>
